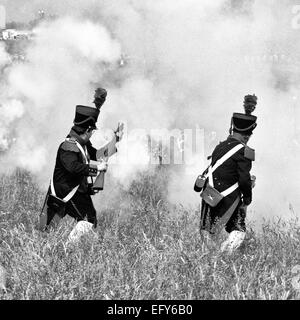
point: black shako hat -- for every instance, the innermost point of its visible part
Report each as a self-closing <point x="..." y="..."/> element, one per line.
<point x="245" y="123"/>
<point x="86" y="117"/>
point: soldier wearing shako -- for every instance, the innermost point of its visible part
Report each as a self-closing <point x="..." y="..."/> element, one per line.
<point x="226" y="184"/>
<point x="72" y="184"/>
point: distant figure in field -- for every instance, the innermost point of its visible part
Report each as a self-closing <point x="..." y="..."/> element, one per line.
<point x="74" y="176"/>
<point x="226" y="184"/>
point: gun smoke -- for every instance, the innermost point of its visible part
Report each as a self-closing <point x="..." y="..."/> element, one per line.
<point x="188" y="64"/>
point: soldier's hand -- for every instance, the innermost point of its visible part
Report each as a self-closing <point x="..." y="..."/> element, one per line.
<point x="102" y="166"/>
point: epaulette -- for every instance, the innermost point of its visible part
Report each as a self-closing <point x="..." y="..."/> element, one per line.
<point x="249" y="153"/>
<point x="70" y="145"/>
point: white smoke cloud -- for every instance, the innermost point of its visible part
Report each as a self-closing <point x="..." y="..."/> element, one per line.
<point x="140" y="103"/>
<point x="188" y="62"/>
<point x="4" y="56"/>
<point x="10" y="110"/>
<point x="132" y="159"/>
<point x="64" y="61"/>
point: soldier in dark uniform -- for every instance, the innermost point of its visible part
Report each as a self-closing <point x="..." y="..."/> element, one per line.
<point x="73" y="172"/>
<point x="231" y="179"/>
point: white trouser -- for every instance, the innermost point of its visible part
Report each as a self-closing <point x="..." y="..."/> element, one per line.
<point x="81" y="228"/>
<point x="233" y="241"/>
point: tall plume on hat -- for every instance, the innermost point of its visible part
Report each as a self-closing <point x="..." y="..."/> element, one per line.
<point x="250" y="102"/>
<point x="99" y="97"/>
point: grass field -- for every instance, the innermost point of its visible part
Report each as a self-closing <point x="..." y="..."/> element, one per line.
<point x="153" y="251"/>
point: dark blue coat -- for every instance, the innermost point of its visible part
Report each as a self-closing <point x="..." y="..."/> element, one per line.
<point x="236" y="169"/>
<point x="70" y="167"/>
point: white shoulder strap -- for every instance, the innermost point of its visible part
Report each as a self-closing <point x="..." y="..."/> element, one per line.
<point x="84" y="154"/>
<point x="81" y="150"/>
<point x="226" y="156"/>
<point x="219" y="162"/>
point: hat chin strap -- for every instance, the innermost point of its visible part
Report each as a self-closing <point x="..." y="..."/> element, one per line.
<point x="246" y="129"/>
<point x="84" y="121"/>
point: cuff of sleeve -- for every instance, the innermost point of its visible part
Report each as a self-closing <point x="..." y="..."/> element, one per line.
<point x="93" y="170"/>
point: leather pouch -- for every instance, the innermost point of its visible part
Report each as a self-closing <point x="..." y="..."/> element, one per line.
<point x="211" y="196"/>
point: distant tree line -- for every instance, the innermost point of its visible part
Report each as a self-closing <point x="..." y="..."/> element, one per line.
<point x="31" y="24"/>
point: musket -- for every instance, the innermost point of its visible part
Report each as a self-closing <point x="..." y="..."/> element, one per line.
<point x="99" y="181"/>
<point x="104" y="153"/>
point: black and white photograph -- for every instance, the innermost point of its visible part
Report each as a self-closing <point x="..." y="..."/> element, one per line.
<point x="149" y="153"/>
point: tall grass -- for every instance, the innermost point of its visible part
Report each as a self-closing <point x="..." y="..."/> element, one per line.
<point x="152" y="252"/>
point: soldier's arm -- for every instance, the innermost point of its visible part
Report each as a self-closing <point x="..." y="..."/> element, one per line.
<point x="91" y="150"/>
<point x="70" y="158"/>
<point x="244" y="165"/>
